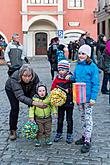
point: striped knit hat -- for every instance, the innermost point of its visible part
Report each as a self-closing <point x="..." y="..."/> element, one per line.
<point x="64" y="65"/>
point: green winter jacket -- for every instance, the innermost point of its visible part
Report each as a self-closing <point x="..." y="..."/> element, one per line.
<point x="39" y="112"/>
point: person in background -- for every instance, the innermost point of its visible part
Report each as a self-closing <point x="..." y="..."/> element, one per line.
<point x="14" y="54"/>
<point x="60" y="53"/>
<point x="42" y="116"/>
<point x="21" y="87"/>
<point x="86" y="72"/>
<point x="100" y="45"/>
<point x="92" y="43"/>
<point x="70" y="49"/>
<point x="100" y="51"/>
<point x="52" y="57"/>
<point x="82" y="39"/>
<point x="106" y="70"/>
<point x="75" y="50"/>
<point x="3" y="46"/>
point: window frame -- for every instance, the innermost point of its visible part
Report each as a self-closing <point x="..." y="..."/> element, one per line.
<point x="42" y="2"/>
<point x="75" y="7"/>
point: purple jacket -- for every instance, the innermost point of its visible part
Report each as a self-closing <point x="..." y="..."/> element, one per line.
<point x="108" y="47"/>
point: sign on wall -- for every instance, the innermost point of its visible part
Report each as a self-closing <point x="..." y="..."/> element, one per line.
<point x="60" y="33"/>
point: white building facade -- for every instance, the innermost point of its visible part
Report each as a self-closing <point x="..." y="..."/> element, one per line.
<point x="104" y="17"/>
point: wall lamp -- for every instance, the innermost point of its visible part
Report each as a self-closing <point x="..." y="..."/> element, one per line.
<point x="95" y="15"/>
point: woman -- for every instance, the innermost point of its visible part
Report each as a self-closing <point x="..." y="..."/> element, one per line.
<point x="21" y="86"/>
<point x="102" y="52"/>
<point x="52" y="57"/>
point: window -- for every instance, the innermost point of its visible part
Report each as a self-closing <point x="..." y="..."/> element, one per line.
<point x="42" y="1"/>
<point x="98" y="29"/>
<point x="38" y="1"/>
<point x="75" y="4"/>
<point x="48" y="1"/>
<point x="103" y="27"/>
<point x="109" y="28"/>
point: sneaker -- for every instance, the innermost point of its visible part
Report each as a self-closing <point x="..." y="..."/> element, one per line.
<point x="48" y="142"/>
<point x="80" y="141"/>
<point x="58" y="136"/>
<point x="69" y="138"/>
<point x="86" y="147"/>
<point x="38" y="143"/>
<point x="12" y="135"/>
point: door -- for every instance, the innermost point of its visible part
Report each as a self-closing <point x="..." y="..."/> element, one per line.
<point x="40" y="43"/>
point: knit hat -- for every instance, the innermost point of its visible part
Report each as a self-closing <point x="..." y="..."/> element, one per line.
<point x="85" y="49"/>
<point x="15" y="35"/>
<point x="64" y="65"/>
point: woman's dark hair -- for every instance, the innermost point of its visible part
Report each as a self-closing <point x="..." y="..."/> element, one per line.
<point x="61" y="47"/>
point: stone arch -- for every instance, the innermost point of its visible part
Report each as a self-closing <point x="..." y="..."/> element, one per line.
<point x="41" y="17"/>
<point x="73" y="31"/>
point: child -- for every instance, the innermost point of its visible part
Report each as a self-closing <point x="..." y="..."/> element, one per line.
<point x="86" y="71"/>
<point x="61" y="82"/>
<point x="42" y="116"/>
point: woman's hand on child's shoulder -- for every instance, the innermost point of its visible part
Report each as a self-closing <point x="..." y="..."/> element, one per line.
<point x="39" y="104"/>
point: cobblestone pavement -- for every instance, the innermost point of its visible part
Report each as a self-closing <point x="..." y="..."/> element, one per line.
<point x="23" y="152"/>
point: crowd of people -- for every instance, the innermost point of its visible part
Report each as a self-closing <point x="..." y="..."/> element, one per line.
<point x="23" y="85"/>
<point x="100" y="53"/>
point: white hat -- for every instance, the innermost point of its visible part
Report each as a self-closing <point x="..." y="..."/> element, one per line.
<point x="85" y="49"/>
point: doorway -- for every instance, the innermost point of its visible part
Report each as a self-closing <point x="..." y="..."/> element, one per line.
<point x="40" y="44"/>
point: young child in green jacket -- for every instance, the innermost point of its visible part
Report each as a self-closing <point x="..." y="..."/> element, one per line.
<point x="42" y="116"/>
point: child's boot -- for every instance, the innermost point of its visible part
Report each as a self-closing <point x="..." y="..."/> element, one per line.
<point x="38" y="143"/>
<point x="86" y="147"/>
<point x="12" y="135"/>
<point x="58" y="136"/>
<point x="48" y="141"/>
<point x="69" y="138"/>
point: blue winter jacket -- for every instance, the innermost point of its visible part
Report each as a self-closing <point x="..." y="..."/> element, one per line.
<point x="89" y="74"/>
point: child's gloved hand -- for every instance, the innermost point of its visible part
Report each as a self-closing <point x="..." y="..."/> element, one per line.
<point x="92" y="102"/>
<point x="55" y="115"/>
<point x="67" y="77"/>
<point x="31" y="119"/>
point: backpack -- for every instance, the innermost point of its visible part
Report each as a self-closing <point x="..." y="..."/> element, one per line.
<point x="60" y="55"/>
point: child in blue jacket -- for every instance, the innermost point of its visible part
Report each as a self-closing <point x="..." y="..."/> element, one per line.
<point x="87" y="72"/>
<point x="60" y="53"/>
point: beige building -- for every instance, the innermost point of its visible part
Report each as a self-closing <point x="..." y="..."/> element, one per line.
<point x="103" y="15"/>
